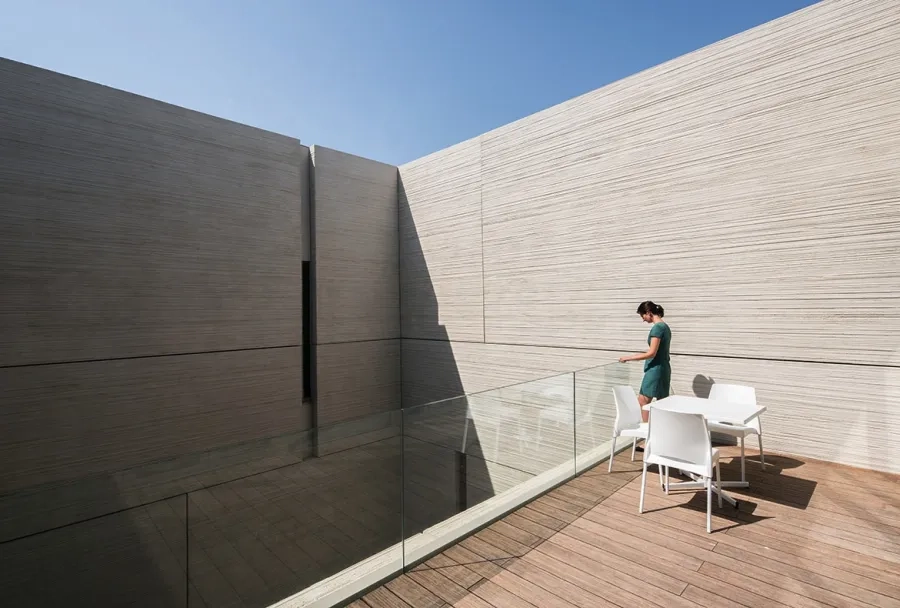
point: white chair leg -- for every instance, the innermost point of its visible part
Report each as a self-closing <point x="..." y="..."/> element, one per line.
<point x="643" y="485"/>
<point x="743" y="471"/>
<point x="719" y="483"/>
<point x="633" y="448"/>
<point x="612" y="453"/>
<point x="762" y="457"/>
<point x="666" y="484"/>
<point x="708" y="505"/>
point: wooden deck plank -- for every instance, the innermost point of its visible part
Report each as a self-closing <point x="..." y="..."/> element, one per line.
<point x="447" y="589"/>
<point x="516" y="533"/>
<point x="746" y="567"/>
<point x="829" y="579"/>
<point x="517" y="520"/>
<point x="702" y="597"/>
<point x="804" y="536"/>
<point x="603" y="556"/>
<point x="462" y="575"/>
<point x="544" y="519"/>
<point x="629" y="547"/>
<point x="512" y="548"/>
<point x="644" y="556"/>
<point x="499" y="597"/>
<point x="382" y="597"/>
<point x="633" y="523"/>
<point x="529" y="590"/>
<point x="667" y="594"/>
<point x="561" y="588"/>
<point x="854" y="564"/>
<point x="483" y="567"/>
<point x="413" y="593"/>
<point x="487" y="550"/>
<point x="775" y="593"/>
<point x="588" y="581"/>
<point x="827" y="536"/>
<point x="557" y="502"/>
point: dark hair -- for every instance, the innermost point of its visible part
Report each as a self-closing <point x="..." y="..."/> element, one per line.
<point x="649" y="307"/>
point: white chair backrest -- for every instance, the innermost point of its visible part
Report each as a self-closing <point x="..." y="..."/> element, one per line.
<point x="628" y="410"/>
<point x="735" y="393"/>
<point x="681" y="437"/>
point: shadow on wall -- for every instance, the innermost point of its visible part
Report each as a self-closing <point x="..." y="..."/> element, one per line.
<point x="445" y="468"/>
<point x="257" y="524"/>
<point x="128" y="557"/>
<point x="702" y="385"/>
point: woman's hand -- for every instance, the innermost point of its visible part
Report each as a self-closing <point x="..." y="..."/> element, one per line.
<point x="624" y="359"/>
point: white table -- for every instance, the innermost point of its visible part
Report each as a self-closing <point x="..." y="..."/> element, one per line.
<point x="713" y="411"/>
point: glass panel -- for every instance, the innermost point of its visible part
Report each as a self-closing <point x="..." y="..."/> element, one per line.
<point x="133" y="557"/>
<point x="596" y="409"/>
<point x="120" y="537"/>
<point x="469" y="459"/>
<point x="257" y="539"/>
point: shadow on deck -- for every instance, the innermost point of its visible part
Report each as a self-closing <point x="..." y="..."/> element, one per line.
<point x="806" y="533"/>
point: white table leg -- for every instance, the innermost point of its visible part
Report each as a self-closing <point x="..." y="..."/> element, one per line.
<point x="698" y="484"/>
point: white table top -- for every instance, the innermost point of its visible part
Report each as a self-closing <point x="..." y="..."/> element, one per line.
<point x="714" y="411"/>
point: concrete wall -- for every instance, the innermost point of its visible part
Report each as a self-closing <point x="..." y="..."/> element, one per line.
<point x="150" y="308"/>
<point x="357" y="292"/>
<point x="750" y="187"/>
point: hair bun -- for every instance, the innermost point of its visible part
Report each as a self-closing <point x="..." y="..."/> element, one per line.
<point x="649" y="307"/>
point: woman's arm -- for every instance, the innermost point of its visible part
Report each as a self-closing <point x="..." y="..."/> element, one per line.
<point x="651" y="352"/>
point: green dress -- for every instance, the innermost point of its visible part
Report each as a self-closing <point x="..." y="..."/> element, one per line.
<point x="658" y="370"/>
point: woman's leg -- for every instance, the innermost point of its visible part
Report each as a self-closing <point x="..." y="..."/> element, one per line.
<point x="644" y="400"/>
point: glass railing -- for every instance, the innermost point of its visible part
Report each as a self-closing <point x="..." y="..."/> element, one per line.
<point x="325" y="513"/>
<point x="595" y="408"/>
<point x="469" y="458"/>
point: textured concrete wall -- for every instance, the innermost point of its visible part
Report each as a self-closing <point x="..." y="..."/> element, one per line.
<point x="357" y="292"/>
<point x="750" y="187"/>
<point x="150" y="308"/>
<point x="133" y="228"/>
<point x="442" y="294"/>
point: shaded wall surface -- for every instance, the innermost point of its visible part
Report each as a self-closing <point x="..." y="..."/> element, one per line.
<point x="357" y="307"/>
<point x="152" y="306"/>
<point x="750" y="187"/>
<point x="151" y="362"/>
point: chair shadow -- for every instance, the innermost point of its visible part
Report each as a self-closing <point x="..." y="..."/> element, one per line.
<point x="738" y="517"/>
<point x="770" y="484"/>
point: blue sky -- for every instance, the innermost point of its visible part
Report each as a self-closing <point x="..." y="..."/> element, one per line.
<point x="387" y="79"/>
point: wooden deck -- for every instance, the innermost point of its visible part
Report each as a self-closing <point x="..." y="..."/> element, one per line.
<point x="807" y="533"/>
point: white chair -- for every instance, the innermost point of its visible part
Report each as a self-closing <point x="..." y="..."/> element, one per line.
<point x="682" y="441"/>
<point x="735" y="393"/>
<point x="628" y="420"/>
<point x="557" y="409"/>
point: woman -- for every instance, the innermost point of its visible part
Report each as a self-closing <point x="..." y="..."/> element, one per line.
<point x="657" y="370"/>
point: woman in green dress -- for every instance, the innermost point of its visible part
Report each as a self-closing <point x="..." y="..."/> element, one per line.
<point x="657" y="369"/>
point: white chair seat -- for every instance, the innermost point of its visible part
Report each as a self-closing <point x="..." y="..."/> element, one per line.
<point x="628" y="420"/>
<point x="639" y="433"/>
<point x="682" y="465"/>
<point x="738" y="394"/>
<point x="735" y="430"/>
<point x="681" y="441"/>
